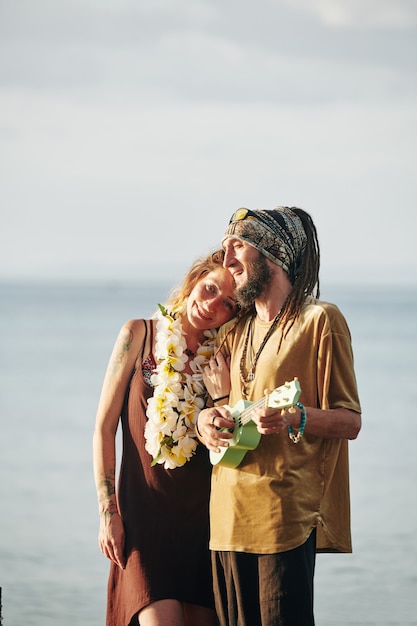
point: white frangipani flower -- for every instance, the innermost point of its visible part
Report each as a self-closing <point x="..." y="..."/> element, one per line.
<point x="178" y="397"/>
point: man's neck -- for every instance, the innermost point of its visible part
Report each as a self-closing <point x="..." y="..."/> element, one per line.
<point x="273" y="298"/>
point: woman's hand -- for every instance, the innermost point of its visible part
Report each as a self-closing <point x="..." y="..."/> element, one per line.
<point x="111" y="537"/>
<point x="216" y="376"/>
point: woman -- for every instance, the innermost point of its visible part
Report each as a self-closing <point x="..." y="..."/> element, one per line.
<point x="155" y="531"/>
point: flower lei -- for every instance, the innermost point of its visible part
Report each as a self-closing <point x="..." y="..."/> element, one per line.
<point x="178" y="397"/>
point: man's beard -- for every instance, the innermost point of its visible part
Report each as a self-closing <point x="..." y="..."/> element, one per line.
<point x="258" y="277"/>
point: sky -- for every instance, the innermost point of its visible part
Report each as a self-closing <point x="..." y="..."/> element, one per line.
<point x="131" y="130"/>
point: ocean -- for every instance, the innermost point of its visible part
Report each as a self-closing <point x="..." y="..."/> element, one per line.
<point x="54" y="345"/>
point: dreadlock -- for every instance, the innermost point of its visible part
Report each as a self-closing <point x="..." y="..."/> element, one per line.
<point x="303" y="273"/>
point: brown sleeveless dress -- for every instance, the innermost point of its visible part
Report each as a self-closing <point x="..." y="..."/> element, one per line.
<point x="165" y="515"/>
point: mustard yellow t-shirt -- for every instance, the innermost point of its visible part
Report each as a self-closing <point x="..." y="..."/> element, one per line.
<point x="281" y="490"/>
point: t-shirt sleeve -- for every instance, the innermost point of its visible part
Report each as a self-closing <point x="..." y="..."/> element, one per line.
<point x="337" y="384"/>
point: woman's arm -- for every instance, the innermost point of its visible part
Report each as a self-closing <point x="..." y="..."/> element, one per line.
<point x="119" y="371"/>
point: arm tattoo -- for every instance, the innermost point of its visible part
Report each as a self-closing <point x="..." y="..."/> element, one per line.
<point x="124" y="345"/>
<point x="107" y="488"/>
<point x="106" y="494"/>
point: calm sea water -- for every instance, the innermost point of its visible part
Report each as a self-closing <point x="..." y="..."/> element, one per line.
<point x="54" y="346"/>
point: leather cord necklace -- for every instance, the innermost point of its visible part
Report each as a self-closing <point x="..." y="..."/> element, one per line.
<point x="249" y="335"/>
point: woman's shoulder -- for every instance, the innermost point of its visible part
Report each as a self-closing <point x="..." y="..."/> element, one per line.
<point x="135" y="330"/>
<point x="136" y="324"/>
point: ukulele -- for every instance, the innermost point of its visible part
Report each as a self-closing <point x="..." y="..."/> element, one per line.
<point x="245" y="434"/>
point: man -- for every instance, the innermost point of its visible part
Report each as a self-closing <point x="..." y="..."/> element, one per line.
<point x="288" y="497"/>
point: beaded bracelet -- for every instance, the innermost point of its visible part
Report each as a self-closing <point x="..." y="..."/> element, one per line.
<point x="221" y="398"/>
<point x="295" y="438"/>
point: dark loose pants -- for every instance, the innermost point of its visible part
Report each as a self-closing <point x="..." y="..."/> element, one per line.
<point x="265" y="589"/>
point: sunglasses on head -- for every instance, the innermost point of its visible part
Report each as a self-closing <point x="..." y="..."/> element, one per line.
<point x="243" y="214"/>
<point x="247" y="214"/>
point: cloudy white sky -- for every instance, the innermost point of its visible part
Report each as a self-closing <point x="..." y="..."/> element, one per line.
<point x="130" y="131"/>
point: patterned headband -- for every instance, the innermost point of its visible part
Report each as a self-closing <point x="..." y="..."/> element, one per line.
<point x="278" y="234"/>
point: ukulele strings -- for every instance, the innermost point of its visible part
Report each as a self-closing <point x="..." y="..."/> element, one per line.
<point x="244" y="417"/>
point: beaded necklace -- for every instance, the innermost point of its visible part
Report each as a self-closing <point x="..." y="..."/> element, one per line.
<point x="249" y="335"/>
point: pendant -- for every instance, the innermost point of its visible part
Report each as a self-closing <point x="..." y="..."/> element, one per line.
<point x="250" y="376"/>
<point x="244" y="394"/>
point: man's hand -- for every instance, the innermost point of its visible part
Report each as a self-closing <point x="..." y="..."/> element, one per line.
<point x="272" y="421"/>
<point x="214" y="426"/>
